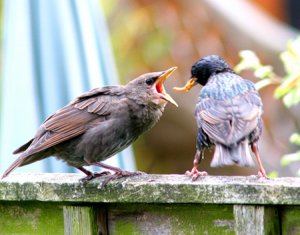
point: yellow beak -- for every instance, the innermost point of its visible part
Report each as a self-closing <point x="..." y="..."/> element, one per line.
<point x="160" y="88"/>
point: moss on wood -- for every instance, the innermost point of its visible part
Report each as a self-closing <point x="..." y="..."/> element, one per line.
<point x="152" y="189"/>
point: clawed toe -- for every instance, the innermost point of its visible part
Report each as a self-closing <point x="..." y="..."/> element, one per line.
<point x="120" y="174"/>
<point x="129" y="173"/>
<point x="93" y="176"/>
<point x="194" y="173"/>
<point x="262" y="175"/>
<point x="86" y="179"/>
<point x="139" y="173"/>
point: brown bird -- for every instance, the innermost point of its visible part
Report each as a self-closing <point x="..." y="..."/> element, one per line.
<point x="228" y="115"/>
<point x="99" y="124"/>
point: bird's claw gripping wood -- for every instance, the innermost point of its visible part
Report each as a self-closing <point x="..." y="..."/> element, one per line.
<point x="93" y="176"/>
<point x="262" y="174"/>
<point x="195" y="173"/>
<point x="120" y="174"/>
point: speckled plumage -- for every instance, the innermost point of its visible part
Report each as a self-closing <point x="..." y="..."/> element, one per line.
<point x="228" y="114"/>
<point x="225" y="86"/>
<point x="98" y="124"/>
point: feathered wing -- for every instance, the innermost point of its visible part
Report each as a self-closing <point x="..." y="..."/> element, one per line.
<point x="68" y="122"/>
<point x="227" y="123"/>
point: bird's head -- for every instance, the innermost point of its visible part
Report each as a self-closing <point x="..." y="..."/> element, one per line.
<point x="203" y="69"/>
<point x="149" y="88"/>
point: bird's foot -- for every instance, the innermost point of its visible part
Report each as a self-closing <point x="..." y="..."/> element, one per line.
<point x="194" y="173"/>
<point x="120" y="174"/>
<point x="262" y="175"/>
<point x="93" y="176"/>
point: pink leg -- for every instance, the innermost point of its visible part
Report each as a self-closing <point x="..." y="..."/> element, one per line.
<point x="91" y="175"/>
<point x="194" y="172"/>
<point x="118" y="172"/>
<point x="262" y="171"/>
<point x="103" y="165"/>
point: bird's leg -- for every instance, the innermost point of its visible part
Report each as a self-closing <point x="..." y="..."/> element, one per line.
<point x="118" y="172"/>
<point x="90" y="175"/>
<point x="194" y="172"/>
<point x="103" y="165"/>
<point x="262" y="172"/>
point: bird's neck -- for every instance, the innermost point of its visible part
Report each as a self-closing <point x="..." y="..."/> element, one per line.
<point x="145" y="116"/>
<point x="220" y="77"/>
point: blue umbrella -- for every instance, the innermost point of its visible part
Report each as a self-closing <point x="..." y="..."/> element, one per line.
<point x="52" y="51"/>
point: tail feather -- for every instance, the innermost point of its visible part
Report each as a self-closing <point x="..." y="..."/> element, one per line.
<point x="23" y="147"/>
<point x="238" y="154"/>
<point x="20" y="160"/>
<point x="25" y="159"/>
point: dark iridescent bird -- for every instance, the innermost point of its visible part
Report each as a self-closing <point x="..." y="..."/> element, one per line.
<point x="99" y="124"/>
<point x="228" y="115"/>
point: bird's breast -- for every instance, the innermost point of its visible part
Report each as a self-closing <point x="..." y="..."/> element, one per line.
<point x="145" y="118"/>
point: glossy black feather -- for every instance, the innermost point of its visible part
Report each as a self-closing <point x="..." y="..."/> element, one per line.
<point x="228" y="112"/>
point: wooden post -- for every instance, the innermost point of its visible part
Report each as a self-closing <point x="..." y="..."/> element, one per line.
<point x="256" y="219"/>
<point x="80" y="220"/>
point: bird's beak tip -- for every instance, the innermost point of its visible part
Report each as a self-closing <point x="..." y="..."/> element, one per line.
<point x="172" y="101"/>
<point x="165" y="74"/>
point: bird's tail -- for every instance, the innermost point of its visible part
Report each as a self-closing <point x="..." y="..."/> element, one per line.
<point x="16" y="163"/>
<point x="25" y="159"/>
<point x="238" y="154"/>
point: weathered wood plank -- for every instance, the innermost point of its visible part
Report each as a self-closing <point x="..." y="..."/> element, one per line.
<point x="80" y="220"/>
<point x="148" y="219"/>
<point x="151" y="189"/>
<point x="258" y="220"/>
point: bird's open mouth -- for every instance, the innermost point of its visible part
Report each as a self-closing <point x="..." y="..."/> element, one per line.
<point x="159" y="85"/>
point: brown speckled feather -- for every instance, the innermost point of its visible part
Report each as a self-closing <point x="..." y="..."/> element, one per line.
<point x="72" y="120"/>
<point x="98" y="124"/>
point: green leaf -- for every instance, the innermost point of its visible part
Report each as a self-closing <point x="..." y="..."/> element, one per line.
<point x="249" y="60"/>
<point x="264" y="72"/>
<point x="289" y="83"/>
<point x="292" y="97"/>
<point x="291" y="57"/>
<point x="295" y="139"/>
<point x="290" y="63"/>
<point x="289" y="158"/>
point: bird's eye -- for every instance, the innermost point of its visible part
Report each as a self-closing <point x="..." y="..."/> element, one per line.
<point x="149" y="81"/>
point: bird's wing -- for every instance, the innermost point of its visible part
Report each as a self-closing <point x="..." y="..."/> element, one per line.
<point x="75" y="118"/>
<point x="231" y="120"/>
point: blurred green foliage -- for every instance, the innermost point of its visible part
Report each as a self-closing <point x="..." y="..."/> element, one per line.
<point x="288" y="86"/>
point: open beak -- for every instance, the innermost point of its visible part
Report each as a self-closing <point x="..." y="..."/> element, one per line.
<point x="188" y="86"/>
<point x="160" y="87"/>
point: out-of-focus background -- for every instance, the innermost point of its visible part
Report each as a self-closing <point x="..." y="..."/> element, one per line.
<point x="155" y="35"/>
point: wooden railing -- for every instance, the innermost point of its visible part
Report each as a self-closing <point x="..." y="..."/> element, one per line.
<point x="149" y="204"/>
